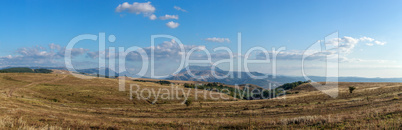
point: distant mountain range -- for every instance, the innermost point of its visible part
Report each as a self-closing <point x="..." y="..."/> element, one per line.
<point x="246" y="79"/>
<point x="206" y="73"/>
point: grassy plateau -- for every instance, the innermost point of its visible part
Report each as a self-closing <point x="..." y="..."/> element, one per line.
<point x="61" y="101"/>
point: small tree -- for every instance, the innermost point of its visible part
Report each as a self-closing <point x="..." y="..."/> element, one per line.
<point x="351" y="88"/>
<point x="188" y="102"/>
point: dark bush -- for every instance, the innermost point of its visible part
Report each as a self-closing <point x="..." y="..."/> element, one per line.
<point x="188" y="102"/>
<point x="351" y="88"/>
<point x="18" y="70"/>
<point x="42" y="71"/>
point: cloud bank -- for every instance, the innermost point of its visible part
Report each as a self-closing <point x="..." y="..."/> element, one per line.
<point x="39" y="55"/>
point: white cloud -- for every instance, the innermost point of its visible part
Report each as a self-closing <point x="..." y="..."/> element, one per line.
<point x="169" y="17"/>
<point x="172" y="24"/>
<point x="152" y="17"/>
<point x="54" y="46"/>
<point x="347" y="44"/>
<point x="220" y="40"/>
<point x="179" y="9"/>
<point x="366" y="39"/>
<point x="291" y="55"/>
<point x="170" y="50"/>
<point x="369" y="44"/>
<point x="371" y="41"/>
<point x="138" y="8"/>
<point x="342" y="46"/>
<point x="40" y="55"/>
<point x="379" y="43"/>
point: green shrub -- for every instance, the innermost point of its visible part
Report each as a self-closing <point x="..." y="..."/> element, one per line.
<point x="351" y="88"/>
<point x="42" y="71"/>
<point x="163" y="82"/>
<point x="18" y="70"/>
<point x="288" y="86"/>
<point x="54" y="100"/>
<point x="188" y="102"/>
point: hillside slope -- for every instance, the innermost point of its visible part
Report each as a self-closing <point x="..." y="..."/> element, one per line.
<point x="53" y="101"/>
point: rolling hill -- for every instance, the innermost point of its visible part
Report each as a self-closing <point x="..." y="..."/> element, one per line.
<point x="62" y="101"/>
<point x="183" y="75"/>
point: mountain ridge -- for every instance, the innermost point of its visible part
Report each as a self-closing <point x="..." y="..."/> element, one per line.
<point x="206" y="70"/>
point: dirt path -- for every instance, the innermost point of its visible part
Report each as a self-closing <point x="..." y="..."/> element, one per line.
<point x="10" y="94"/>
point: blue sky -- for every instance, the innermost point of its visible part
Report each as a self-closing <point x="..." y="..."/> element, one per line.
<point x="26" y="26"/>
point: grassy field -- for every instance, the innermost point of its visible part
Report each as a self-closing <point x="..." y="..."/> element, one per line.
<point x="61" y="101"/>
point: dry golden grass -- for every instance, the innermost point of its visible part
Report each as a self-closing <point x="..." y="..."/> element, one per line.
<point x="60" y="101"/>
